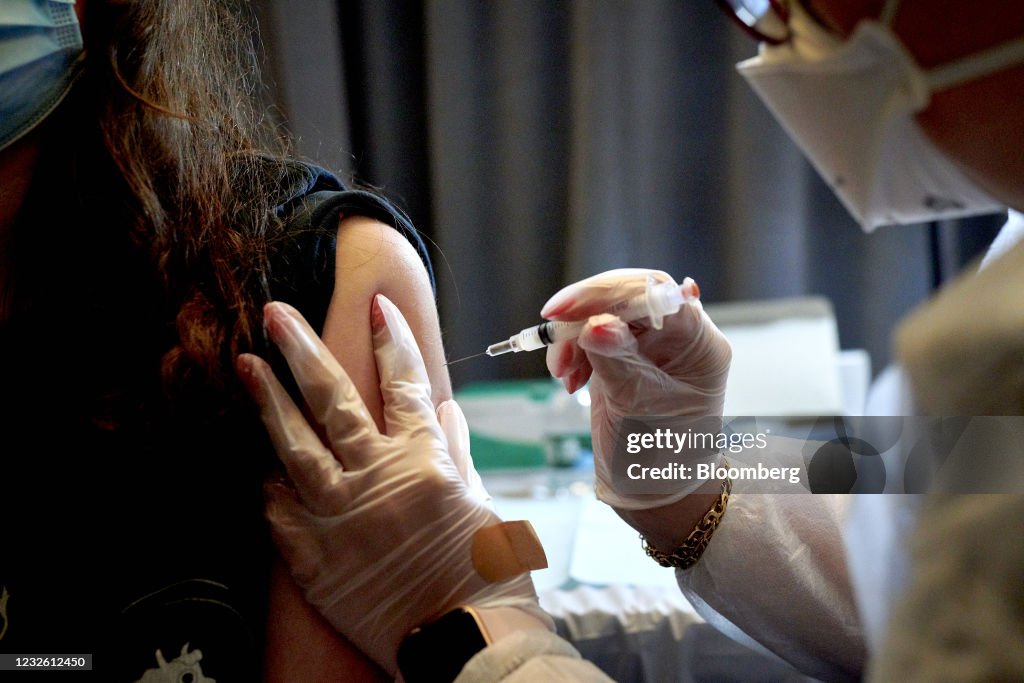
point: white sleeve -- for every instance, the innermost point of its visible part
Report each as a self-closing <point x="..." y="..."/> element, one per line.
<point x="1011" y="234"/>
<point x="775" y="573"/>
<point x="529" y="656"/>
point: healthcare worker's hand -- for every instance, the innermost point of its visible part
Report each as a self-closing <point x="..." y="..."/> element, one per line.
<point x="634" y="369"/>
<point x="377" y="528"/>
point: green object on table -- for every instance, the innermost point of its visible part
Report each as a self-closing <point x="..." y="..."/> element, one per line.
<point x="523" y="423"/>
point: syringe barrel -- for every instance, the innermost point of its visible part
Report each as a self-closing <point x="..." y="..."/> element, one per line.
<point x="539" y="336"/>
<point x="659" y="300"/>
<point x="630" y="309"/>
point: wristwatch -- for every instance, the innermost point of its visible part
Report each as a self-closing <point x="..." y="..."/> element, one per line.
<point x="436" y="652"/>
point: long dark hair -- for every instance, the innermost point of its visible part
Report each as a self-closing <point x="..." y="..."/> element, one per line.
<point x="141" y="257"/>
<point x="179" y="97"/>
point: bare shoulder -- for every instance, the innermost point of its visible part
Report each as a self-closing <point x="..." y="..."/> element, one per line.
<point x="373" y="258"/>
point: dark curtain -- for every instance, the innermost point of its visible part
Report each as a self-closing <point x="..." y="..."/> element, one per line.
<point x="535" y="142"/>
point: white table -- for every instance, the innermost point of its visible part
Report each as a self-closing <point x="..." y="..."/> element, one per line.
<point x="619" y="608"/>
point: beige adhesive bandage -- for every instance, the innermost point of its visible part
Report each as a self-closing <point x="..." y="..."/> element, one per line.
<point x="502" y="551"/>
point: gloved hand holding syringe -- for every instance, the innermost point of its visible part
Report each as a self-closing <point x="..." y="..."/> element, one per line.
<point x="659" y="299"/>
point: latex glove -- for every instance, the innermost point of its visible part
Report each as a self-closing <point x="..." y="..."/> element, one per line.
<point x="636" y="370"/>
<point x="378" y="527"/>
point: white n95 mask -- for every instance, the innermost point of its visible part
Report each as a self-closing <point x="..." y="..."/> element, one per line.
<point x="40" y="54"/>
<point x="850" y="107"/>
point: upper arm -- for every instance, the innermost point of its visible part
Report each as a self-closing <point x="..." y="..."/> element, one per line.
<point x="372" y="258"/>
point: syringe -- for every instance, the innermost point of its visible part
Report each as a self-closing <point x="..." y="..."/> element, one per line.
<point x="659" y="300"/>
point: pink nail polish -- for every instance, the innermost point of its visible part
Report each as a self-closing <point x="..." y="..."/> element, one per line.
<point x="272" y="323"/>
<point x="565" y="358"/>
<point x="601" y="332"/>
<point x="550" y="311"/>
<point x="377" y="321"/>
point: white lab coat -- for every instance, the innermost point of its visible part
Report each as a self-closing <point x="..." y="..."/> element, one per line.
<point x="829" y="620"/>
<point x="814" y="579"/>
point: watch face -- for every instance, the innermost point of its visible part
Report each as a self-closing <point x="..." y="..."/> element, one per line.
<point x="439" y="650"/>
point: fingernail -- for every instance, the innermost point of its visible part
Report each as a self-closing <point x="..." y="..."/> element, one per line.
<point x="377" y="321"/>
<point x="691" y="288"/>
<point x="578" y="379"/>
<point x="273" y="321"/>
<point x="267" y="308"/>
<point x="553" y="308"/>
<point x="285" y="328"/>
<point x="245" y="368"/>
<point x="601" y="331"/>
<point x="602" y="326"/>
<point x="443" y="408"/>
<point x="566" y="357"/>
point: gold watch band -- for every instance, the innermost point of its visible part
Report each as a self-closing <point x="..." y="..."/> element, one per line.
<point x="689" y="551"/>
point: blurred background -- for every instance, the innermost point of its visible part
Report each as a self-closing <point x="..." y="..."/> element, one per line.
<point x="536" y="142"/>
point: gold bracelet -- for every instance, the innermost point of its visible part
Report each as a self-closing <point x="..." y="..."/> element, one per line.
<point x="687" y="553"/>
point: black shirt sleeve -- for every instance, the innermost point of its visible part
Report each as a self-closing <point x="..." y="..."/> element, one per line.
<point x="304" y="268"/>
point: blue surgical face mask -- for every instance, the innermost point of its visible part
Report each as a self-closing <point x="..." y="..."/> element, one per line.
<point x="40" y="57"/>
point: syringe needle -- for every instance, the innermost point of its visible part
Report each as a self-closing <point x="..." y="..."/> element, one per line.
<point x="459" y="360"/>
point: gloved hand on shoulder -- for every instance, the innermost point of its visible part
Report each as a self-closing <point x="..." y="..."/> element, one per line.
<point x="376" y="527"/>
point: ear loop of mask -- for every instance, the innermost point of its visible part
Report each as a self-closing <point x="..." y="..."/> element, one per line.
<point x="963" y="69"/>
<point x="976" y="66"/>
<point x="888" y="12"/>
